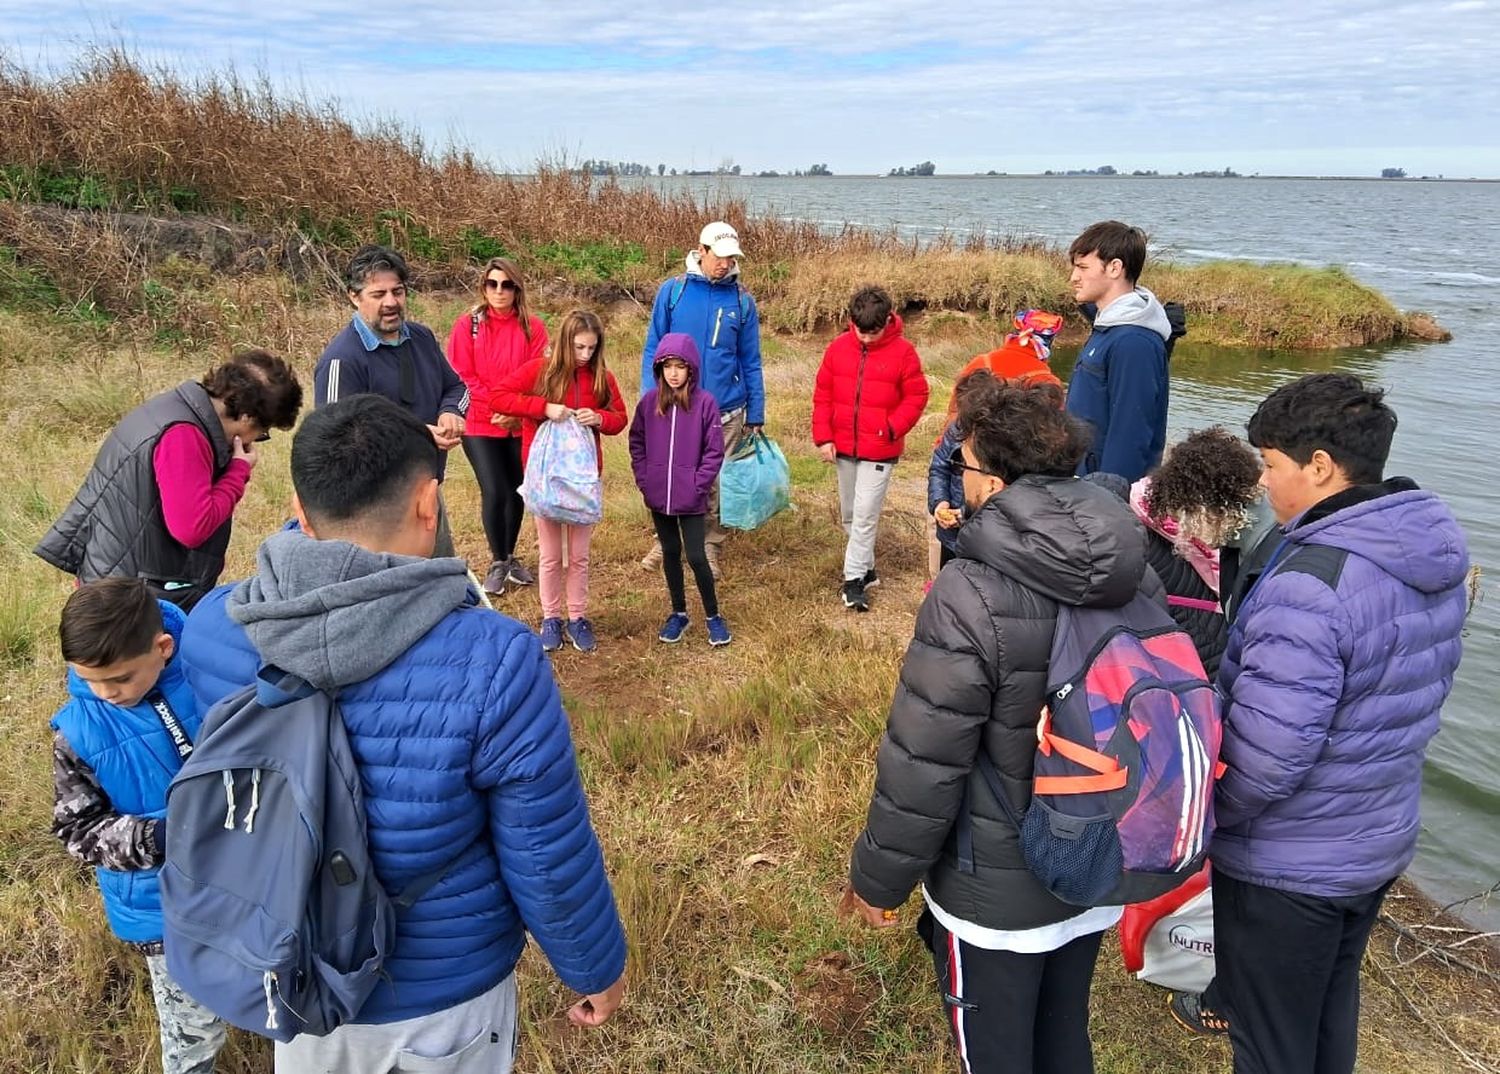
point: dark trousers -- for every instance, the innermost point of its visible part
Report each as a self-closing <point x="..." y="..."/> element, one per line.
<point x="1014" y="1013"/>
<point x="679" y="534"/>
<point x="1288" y="975"/>
<point x="497" y="466"/>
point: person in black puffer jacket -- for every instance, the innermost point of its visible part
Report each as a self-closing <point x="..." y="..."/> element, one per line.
<point x="1013" y="963"/>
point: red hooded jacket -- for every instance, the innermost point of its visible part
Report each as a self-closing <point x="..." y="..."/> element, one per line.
<point x="483" y="349"/>
<point x="868" y="397"/>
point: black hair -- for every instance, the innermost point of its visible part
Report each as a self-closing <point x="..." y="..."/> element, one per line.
<point x="368" y="260"/>
<point x="107" y="621"/>
<point x="870" y="308"/>
<point x="1111" y="239"/>
<point x="357" y="459"/>
<point x="1017" y="428"/>
<point x="256" y="384"/>
<point x="1332" y="412"/>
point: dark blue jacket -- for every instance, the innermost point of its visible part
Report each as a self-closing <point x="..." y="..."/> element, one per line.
<point x="943" y="484"/>
<point x="348" y="367"/>
<point x="464" y="754"/>
<point x="1338" y="663"/>
<point x="1119" y="386"/>
<point x="133" y="759"/>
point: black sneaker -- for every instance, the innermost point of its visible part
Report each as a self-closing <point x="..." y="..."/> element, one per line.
<point x="871" y="579"/>
<point x="854" y="596"/>
<point x="1191" y="1013"/>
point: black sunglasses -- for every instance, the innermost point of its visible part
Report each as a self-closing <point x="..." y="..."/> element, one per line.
<point x="504" y="285"/>
<point x="957" y="465"/>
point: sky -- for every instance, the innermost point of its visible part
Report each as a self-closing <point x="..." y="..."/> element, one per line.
<point x="1308" y="87"/>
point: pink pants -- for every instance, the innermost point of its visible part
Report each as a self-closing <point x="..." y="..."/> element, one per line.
<point x="549" y="582"/>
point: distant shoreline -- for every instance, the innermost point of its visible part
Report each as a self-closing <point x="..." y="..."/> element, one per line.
<point x="1055" y="175"/>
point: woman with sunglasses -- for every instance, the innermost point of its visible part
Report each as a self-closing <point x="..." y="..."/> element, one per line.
<point x="490" y="341"/>
<point x="158" y="503"/>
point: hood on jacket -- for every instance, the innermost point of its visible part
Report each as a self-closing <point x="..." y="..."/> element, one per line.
<point x="677" y="345"/>
<point x="1071" y="540"/>
<point x="334" y="613"/>
<point x="694" y="262"/>
<point x="173" y="619"/>
<point x="1406" y="531"/>
<point x="892" y="331"/>
<point x="1139" y="307"/>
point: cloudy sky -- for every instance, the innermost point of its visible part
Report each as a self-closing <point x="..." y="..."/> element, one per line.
<point x="1274" y="86"/>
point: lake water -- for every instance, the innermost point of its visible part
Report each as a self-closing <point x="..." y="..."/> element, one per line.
<point x="1429" y="246"/>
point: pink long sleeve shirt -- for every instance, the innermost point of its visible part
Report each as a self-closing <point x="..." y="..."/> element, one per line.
<point x="193" y="504"/>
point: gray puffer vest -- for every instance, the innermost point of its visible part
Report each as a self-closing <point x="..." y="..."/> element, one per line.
<point x="114" y="526"/>
<point x="974" y="678"/>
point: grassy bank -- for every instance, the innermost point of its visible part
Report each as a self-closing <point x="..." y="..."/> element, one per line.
<point x="726" y="785"/>
<point x="284" y="182"/>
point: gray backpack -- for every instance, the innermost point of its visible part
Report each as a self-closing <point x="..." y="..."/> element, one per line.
<point x="273" y="918"/>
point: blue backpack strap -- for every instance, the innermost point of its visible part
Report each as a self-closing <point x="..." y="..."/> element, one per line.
<point x="421" y="885"/>
<point x="964" y="828"/>
<point x="674" y="296"/>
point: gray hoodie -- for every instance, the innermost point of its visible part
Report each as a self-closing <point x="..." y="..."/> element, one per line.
<point x="1139" y="307"/>
<point x="334" y="613"/>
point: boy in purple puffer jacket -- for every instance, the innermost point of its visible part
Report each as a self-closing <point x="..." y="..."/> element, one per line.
<point x="1339" y="659"/>
<point x="676" y="449"/>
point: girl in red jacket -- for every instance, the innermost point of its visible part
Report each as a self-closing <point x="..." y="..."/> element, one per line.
<point x="869" y="393"/>
<point x="572" y="383"/>
<point x="488" y="342"/>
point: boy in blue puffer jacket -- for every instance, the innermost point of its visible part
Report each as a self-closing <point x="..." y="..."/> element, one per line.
<point x="120" y="739"/>
<point x="459" y="738"/>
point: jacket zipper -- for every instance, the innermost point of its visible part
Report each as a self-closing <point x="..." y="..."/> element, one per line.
<point x="718" y="320"/>
<point x="859" y="390"/>
<point x="671" y="455"/>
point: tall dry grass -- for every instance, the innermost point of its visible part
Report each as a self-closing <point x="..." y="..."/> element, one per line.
<point x="112" y="136"/>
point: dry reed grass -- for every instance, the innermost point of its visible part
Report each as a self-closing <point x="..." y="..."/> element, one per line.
<point x="112" y="134"/>
<point x="726" y="785"/>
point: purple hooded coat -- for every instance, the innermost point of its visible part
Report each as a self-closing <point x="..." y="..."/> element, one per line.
<point x="676" y="456"/>
<point x="1336" y="670"/>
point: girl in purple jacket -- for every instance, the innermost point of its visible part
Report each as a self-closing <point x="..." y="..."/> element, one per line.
<point x="676" y="449"/>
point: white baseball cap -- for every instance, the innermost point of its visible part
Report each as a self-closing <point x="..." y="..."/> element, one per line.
<point x="722" y="239"/>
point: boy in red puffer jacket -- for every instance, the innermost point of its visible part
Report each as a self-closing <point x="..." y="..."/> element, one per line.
<point x="869" y="394"/>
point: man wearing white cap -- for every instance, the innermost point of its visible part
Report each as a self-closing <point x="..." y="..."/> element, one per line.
<point x="708" y="303"/>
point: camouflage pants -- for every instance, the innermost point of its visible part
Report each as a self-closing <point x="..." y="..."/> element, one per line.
<point x="190" y="1035"/>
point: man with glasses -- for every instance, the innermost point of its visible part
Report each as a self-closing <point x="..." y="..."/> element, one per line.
<point x="382" y="353"/>
<point x="708" y="303"/>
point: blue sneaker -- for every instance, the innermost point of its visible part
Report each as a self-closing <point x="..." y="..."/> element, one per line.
<point x="674" y="628"/>
<point x="552" y="631"/>
<point x="581" y="634"/>
<point x="718" y="631"/>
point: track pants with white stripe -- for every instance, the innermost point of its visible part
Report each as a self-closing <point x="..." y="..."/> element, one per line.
<point x="1011" y="1013"/>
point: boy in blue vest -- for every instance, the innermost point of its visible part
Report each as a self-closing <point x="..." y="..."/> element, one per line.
<point x="120" y="738"/>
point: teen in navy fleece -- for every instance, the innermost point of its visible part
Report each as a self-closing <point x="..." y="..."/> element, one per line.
<point x="1119" y="385"/>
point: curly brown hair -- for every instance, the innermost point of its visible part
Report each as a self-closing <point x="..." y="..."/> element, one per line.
<point x="1207" y="482"/>
<point x="256" y="384"/>
<point x="1017" y="428"/>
